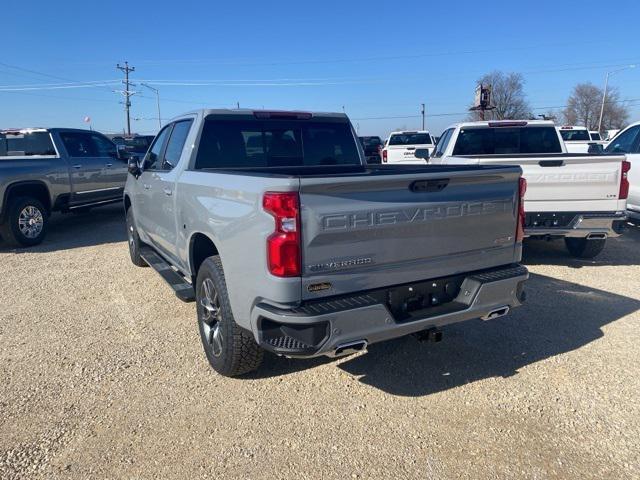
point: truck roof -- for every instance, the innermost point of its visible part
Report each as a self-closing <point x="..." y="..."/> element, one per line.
<point x="572" y="127"/>
<point x="505" y="123"/>
<point x="262" y="113"/>
<point x="404" y="132"/>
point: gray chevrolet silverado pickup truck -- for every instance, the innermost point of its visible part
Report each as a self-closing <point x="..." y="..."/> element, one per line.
<point x="288" y="242"/>
<point x="44" y="170"/>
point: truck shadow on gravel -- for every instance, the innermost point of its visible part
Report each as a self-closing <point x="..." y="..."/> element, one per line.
<point x="558" y="317"/>
<point x="621" y="250"/>
<point x="100" y="225"/>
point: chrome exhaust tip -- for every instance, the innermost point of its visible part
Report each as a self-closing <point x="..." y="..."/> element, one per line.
<point x="350" y="347"/>
<point x="498" y="312"/>
<point x="597" y="236"/>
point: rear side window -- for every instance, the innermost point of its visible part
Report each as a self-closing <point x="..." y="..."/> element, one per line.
<point x="575" y="135"/>
<point x="507" y="141"/>
<point x="410" y="139"/>
<point x="26" y="144"/>
<point x="275" y="143"/>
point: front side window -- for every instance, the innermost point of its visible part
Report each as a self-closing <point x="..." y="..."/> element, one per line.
<point x="275" y="143"/>
<point x="152" y="159"/>
<point x="78" y="144"/>
<point x="103" y="147"/>
<point x="442" y="143"/>
<point x="25" y="144"/>
<point x="625" y="142"/>
<point x="595" y="136"/>
<point x="176" y="144"/>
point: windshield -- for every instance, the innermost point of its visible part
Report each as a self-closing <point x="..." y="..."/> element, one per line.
<point x="26" y="144"/>
<point x="505" y="141"/>
<point x="574" y="135"/>
<point x="275" y="143"/>
<point x="410" y="139"/>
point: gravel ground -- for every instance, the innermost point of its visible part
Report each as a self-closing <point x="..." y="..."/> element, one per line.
<point x="103" y="376"/>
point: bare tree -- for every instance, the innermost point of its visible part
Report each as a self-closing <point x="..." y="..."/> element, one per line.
<point x="583" y="108"/>
<point x="507" y="96"/>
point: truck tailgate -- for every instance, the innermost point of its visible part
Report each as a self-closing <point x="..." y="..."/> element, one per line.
<point x="389" y="227"/>
<point x="567" y="182"/>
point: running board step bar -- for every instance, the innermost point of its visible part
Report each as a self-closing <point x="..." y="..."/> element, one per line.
<point x="183" y="289"/>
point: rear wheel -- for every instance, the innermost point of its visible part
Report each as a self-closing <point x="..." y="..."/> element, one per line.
<point x="231" y="350"/>
<point x="134" y="241"/>
<point x="26" y="223"/>
<point x="583" y="248"/>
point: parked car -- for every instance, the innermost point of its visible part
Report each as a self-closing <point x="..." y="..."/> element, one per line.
<point x="132" y="145"/>
<point x="297" y="246"/>
<point x="628" y="142"/>
<point x="400" y="147"/>
<point x="578" y="140"/>
<point x="578" y="197"/>
<point x="55" y="169"/>
<point x="372" y="148"/>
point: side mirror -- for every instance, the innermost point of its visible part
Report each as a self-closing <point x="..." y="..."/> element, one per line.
<point x="422" y="153"/>
<point x="133" y="167"/>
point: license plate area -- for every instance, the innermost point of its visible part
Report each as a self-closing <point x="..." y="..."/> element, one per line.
<point x="406" y="301"/>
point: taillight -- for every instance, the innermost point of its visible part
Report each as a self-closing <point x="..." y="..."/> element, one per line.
<point x="384" y="155"/>
<point x="522" y="189"/>
<point x="283" y="245"/>
<point x="624" y="180"/>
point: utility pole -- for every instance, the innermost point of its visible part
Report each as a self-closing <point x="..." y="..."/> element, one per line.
<point x="604" y="94"/>
<point x="422" y="115"/>
<point x="155" y="90"/>
<point x="127" y="93"/>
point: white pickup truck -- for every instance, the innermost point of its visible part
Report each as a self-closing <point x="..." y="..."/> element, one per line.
<point x="627" y="142"/>
<point x="578" y="197"/>
<point x="400" y="147"/>
<point x="578" y="139"/>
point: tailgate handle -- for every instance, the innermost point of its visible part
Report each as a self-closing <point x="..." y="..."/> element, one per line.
<point x="411" y="148"/>
<point x="551" y="163"/>
<point x="435" y="185"/>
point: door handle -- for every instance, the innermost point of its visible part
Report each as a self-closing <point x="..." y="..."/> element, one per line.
<point x="146" y="186"/>
<point x="77" y="166"/>
<point x="167" y="192"/>
<point x="109" y="165"/>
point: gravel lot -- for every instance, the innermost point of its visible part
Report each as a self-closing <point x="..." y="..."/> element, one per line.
<point x="103" y="376"/>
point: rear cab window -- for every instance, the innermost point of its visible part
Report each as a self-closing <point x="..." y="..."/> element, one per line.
<point x="410" y="139"/>
<point x="26" y="144"/>
<point x="575" y="135"/>
<point x="507" y="141"/>
<point x="254" y="143"/>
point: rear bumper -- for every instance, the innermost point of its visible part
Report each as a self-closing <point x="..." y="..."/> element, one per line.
<point x="574" y="224"/>
<point x="320" y="327"/>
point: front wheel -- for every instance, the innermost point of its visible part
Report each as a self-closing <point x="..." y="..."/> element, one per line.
<point x="583" y="248"/>
<point x="26" y="223"/>
<point x="231" y="350"/>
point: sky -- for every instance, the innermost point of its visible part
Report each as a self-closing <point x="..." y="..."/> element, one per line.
<point x="377" y="61"/>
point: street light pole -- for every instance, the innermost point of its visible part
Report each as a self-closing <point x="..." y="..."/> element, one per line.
<point x="604" y="94"/>
<point x="155" y="90"/>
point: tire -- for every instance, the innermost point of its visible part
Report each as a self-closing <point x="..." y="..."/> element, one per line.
<point x="231" y="350"/>
<point x="583" y="248"/>
<point x="134" y="241"/>
<point x="26" y="224"/>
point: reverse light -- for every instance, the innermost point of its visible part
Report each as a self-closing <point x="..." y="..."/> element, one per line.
<point x="283" y="245"/>
<point x="522" y="189"/>
<point x="624" y="180"/>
